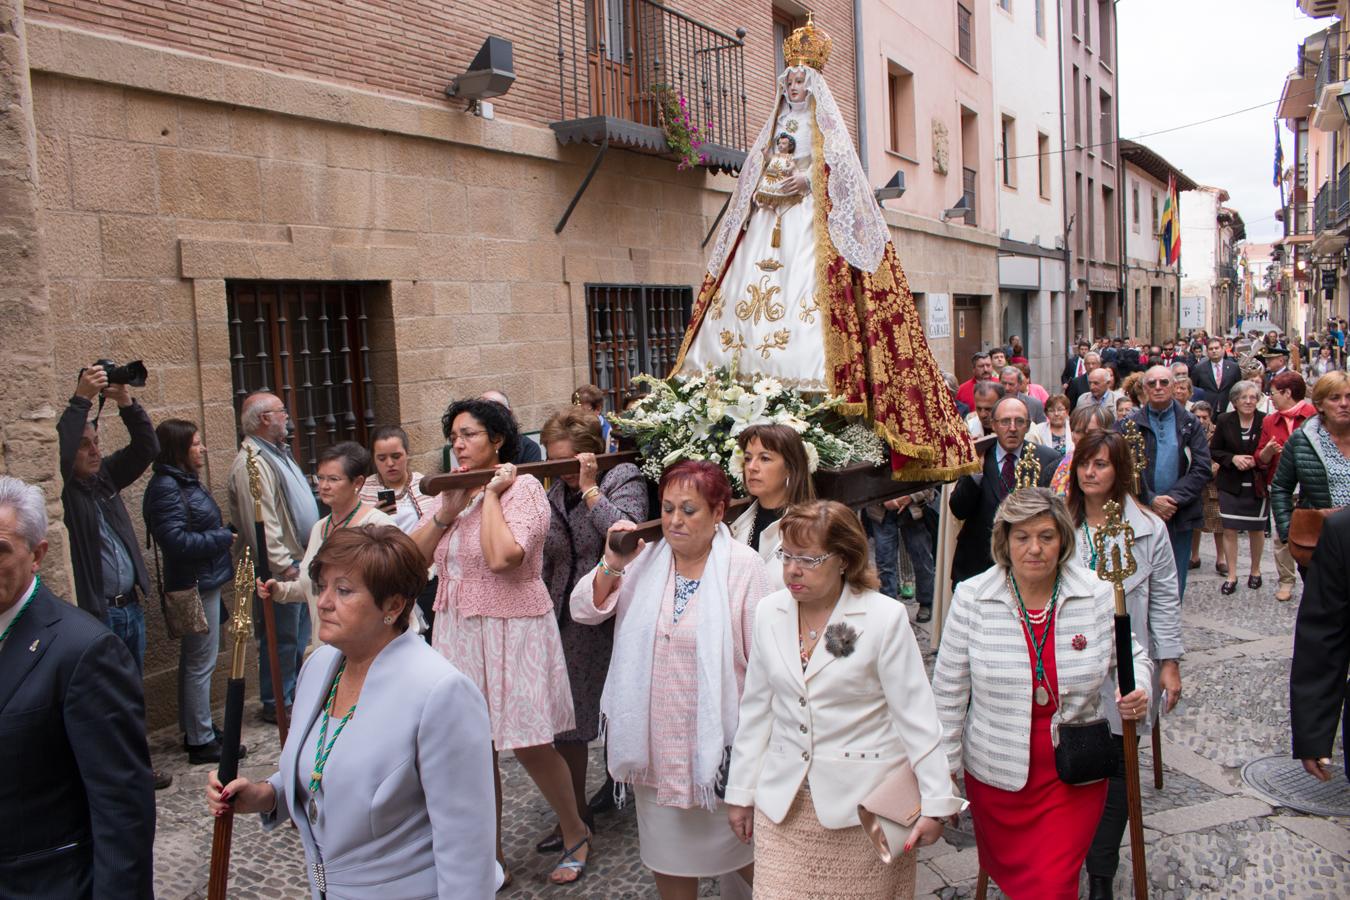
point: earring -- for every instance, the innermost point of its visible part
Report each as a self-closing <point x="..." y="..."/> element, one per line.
<point x="389" y="620"/>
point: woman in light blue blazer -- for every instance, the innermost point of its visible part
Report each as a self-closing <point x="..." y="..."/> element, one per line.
<point x="387" y="772"/>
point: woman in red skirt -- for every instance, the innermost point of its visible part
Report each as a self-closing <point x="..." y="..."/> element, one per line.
<point x="1026" y="649"/>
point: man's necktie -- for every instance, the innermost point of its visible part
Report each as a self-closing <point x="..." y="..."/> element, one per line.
<point x="1009" y="471"/>
<point x="1218" y="376"/>
<point x="1080" y="365"/>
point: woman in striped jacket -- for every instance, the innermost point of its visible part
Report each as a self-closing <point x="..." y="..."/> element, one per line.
<point x="1028" y="646"/>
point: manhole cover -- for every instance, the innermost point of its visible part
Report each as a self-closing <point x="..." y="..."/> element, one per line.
<point x="1283" y="780"/>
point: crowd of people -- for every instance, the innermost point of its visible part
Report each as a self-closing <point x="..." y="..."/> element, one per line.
<point x="755" y="679"/>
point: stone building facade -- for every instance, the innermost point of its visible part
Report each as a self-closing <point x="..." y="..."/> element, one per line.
<point x="284" y="195"/>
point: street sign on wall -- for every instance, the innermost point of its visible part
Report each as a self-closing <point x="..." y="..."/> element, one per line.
<point x="1193" y="311"/>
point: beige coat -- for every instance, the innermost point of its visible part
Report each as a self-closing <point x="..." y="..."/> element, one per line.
<point x="284" y="546"/>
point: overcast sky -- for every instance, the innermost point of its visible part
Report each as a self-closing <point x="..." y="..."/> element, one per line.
<point x="1186" y="60"/>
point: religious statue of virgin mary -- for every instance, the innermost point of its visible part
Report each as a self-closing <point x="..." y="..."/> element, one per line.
<point x="803" y="283"/>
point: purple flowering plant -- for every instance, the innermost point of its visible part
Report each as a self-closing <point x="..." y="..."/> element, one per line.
<point x="683" y="135"/>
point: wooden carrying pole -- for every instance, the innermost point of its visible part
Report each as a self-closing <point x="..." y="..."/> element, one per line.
<point x="264" y="572"/>
<point x="241" y="624"/>
<point x="1115" y="567"/>
<point x="553" y="468"/>
<point x="1134" y="439"/>
<point x="624" y="541"/>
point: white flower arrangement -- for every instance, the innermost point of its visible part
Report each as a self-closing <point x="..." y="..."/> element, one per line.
<point x="699" y="417"/>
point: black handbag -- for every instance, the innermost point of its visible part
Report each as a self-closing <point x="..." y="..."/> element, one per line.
<point x="1086" y="752"/>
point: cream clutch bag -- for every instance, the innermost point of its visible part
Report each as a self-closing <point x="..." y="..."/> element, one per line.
<point x="889" y="812"/>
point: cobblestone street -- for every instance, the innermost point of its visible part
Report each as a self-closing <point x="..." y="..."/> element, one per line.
<point x="1208" y="834"/>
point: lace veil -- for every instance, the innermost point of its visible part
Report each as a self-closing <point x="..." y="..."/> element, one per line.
<point x="857" y="228"/>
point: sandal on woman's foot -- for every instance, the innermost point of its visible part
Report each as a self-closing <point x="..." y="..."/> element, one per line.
<point x="570" y="863"/>
<point x="554" y="842"/>
<point x="1228" y="587"/>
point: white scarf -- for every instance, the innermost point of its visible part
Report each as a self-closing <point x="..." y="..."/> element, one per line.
<point x="625" y="705"/>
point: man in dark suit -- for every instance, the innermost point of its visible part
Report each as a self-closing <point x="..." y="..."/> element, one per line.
<point x="1077" y="364"/>
<point x="1318" y="691"/>
<point x="975" y="498"/>
<point x="1079" y="385"/>
<point x="79" y="799"/>
<point x="1215" y="376"/>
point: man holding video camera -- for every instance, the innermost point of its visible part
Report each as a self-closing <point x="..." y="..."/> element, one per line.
<point x="110" y="573"/>
<point x="111" y="580"/>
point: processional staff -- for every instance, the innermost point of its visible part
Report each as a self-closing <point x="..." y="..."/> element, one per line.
<point x="1134" y="440"/>
<point x="241" y="626"/>
<point x="264" y="574"/>
<point x="1115" y="567"/>
<point x="1027" y="474"/>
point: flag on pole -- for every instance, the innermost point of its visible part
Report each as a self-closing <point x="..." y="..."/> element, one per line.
<point x="1279" y="157"/>
<point x="1169" y="227"/>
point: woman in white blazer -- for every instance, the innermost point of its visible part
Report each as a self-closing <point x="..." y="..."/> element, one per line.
<point x="1103" y="471"/>
<point x="835" y="700"/>
<point x="777" y="474"/>
<point x="394" y="800"/>
<point x="1029" y="648"/>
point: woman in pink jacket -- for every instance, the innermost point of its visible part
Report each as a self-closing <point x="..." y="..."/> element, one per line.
<point x="494" y="617"/>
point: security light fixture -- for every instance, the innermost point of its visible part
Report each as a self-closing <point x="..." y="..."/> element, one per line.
<point x="894" y="189"/>
<point x="491" y="74"/>
<point x="960" y="211"/>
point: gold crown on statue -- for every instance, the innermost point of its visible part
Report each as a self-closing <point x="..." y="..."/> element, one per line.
<point x="807" y="46"/>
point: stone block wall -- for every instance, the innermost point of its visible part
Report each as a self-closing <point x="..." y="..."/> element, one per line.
<point x="28" y="409"/>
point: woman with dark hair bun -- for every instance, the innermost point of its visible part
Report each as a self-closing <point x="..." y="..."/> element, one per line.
<point x="186" y="524"/>
<point x="683" y="606"/>
<point x="583" y="506"/>
<point x="494" y="617"/>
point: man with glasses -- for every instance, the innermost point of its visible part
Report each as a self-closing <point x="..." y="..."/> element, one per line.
<point x="976" y="498"/>
<point x="289" y="512"/>
<point x="1173" y="482"/>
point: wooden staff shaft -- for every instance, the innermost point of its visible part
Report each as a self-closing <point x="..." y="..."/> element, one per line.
<point x="1134" y="801"/>
<point x="1157" y="753"/>
<point x="553" y="468"/>
<point x="278" y="677"/>
<point x="623" y="542"/>
<point x="220" y="857"/>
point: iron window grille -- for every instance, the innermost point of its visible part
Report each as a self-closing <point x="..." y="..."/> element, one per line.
<point x="309" y="343"/>
<point x="633" y="328"/>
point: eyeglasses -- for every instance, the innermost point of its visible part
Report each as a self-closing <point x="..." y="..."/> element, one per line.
<point x="465" y="435"/>
<point x="1157" y="382"/>
<point x="806" y="562"/>
<point x="330" y="479"/>
<point x="1010" y="423"/>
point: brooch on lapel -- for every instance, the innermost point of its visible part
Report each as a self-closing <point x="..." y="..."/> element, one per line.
<point x="1079" y="642"/>
<point x="840" y="638"/>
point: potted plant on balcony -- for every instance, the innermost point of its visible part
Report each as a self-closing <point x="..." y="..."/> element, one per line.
<point x="683" y="135"/>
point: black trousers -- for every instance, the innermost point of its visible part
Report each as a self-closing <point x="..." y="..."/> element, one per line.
<point x="424" y="603"/>
<point x="1104" y="856"/>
